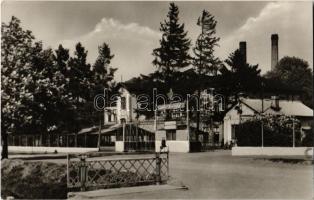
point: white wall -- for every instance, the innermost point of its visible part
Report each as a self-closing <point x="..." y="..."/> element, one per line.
<point x="128" y="113"/>
<point x="272" y="151"/>
<point x="20" y="149"/>
<point x="232" y="117"/>
<point x="174" y="146"/>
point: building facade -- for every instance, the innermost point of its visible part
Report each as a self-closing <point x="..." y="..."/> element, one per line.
<point x="249" y="108"/>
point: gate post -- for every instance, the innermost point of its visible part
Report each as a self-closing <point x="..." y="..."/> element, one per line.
<point x="158" y="168"/>
<point x="68" y="170"/>
<point x="168" y="165"/>
<point x="83" y="172"/>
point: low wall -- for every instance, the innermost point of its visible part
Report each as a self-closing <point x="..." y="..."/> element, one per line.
<point x="174" y="146"/>
<point x="26" y="149"/>
<point x="272" y="151"/>
<point x="119" y="146"/>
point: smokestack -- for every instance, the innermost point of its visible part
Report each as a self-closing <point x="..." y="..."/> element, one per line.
<point x="274" y="50"/>
<point x="242" y="47"/>
<point x="275" y="102"/>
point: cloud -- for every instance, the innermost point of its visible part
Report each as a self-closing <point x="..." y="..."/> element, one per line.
<point x="291" y="20"/>
<point x="131" y="43"/>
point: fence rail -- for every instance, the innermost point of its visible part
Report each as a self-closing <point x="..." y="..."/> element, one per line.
<point x="86" y="174"/>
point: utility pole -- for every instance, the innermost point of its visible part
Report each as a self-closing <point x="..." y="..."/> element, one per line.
<point x="198" y="114"/>
<point x="293" y="132"/>
<point x="99" y="131"/>
<point x="100" y="119"/>
<point x="262" y="122"/>
<point x="155" y="121"/>
<point x="188" y="118"/>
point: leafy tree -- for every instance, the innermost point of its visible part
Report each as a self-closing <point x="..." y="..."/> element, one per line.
<point x="45" y="91"/>
<point x="173" y="53"/>
<point x="240" y="76"/>
<point x="18" y="51"/>
<point x="295" y="73"/>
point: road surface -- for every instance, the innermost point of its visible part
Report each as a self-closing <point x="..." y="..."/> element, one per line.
<point x="218" y="175"/>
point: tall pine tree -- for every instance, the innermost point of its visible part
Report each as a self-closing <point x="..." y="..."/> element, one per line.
<point x="205" y="62"/>
<point x="173" y="53"/>
<point x="79" y="88"/>
<point x="103" y="75"/>
<point x="65" y="103"/>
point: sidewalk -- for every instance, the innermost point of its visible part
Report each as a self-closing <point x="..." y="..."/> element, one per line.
<point x="122" y="192"/>
<point x="37" y="156"/>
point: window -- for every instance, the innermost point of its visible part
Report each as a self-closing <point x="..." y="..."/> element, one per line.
<point x="123" y="103"/>
<point x="233" y="131"/>
<point x="171" y="134"/>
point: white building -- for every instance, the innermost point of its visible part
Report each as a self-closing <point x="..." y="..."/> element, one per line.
<point x="123" y="109"/>
<point x="247" y="108"/>
<point x="175" y="130"/>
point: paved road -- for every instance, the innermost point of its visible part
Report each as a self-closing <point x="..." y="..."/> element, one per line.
<point x="216" y="175"/>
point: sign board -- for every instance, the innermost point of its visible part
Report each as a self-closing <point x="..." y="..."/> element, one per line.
<point x="170" y="125"/>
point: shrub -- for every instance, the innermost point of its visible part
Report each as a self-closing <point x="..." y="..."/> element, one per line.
<point x="277" y="131"/>
<point x="308" y="140"/>
<point x="33" y="180"/>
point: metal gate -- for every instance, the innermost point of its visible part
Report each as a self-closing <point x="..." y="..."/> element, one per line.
<point x="86" y="174"/>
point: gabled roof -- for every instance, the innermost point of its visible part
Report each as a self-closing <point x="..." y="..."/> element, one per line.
<point x="292" y="108"/>
<point x="256" y="104"/>
<point x="287" y="107"/>
<point x="95" y="130"/>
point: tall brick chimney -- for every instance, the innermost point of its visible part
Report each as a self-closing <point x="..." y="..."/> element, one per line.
<point x="274" y="50"/>
<point x="242" y="47"/>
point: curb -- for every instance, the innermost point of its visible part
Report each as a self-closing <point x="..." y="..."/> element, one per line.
<point x="105" y="193"/>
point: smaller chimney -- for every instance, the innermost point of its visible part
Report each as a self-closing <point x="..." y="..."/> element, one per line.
<point x="242" y="47"/>
<point x="275" y="103"/>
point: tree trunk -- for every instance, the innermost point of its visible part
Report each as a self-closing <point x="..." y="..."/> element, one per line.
<point x="41" y="140"/>
<point x="99" y="132"/>
<point x="75" y="141"/>
<point x="4" y="153"/>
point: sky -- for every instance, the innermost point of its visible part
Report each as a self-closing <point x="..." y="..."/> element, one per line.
<point x="131" y="29"/>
